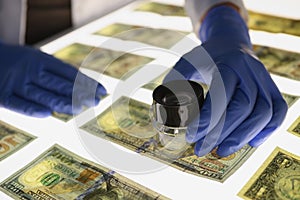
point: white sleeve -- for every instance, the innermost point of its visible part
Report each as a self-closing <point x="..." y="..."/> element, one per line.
<point x="88" y="10"/>
<point x="196" y="9"/>
<point x="13" y="21"/>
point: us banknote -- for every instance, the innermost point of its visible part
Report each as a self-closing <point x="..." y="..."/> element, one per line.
<point x="62" y="116"/>
<point x="127" y="123"/>
<point x="290" y="99"/>
<point x="278" y="178"/>
<point x="295" y="127"/>
<point x="256" y="21"/>
<point x="61" y="174"/>
<point x="274" y="24"/>
<point x="162" y="9"/>
<point x="280" y="62"/>
<point x="157" y="37"/>
<point x="112" y="63"/>
<point x="12" y="139"/>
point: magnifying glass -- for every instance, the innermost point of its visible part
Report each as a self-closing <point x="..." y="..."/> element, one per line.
<point x="175" y="105"/>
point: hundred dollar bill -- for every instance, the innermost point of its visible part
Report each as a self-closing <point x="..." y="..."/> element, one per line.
<point x="60" y="174"/>
<point x="162" y="9"/>
<point x="274" y="24"/>
<point x="62" y="116"/>
<point x="12" y="139"/>
<point x="127" y="123"/>
<point x="157" y="37"/>
<point x="277" y="178"/>
<point x="290" y="99"/>
<point x="112" y="63"/>
<point x="280" y="62"/>
<point x="295" y="127"/>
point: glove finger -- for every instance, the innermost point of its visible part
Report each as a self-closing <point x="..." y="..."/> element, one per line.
<point x="54" y="83"/>
<point x="27" y="107"/>
<point x="195" y="65"/>
<point x="279" y="111"/>
<point x="183" y="70"/>
<point x="199" y="127"/>
<point x="85" y="99"/>
<point x="237" y="111"/>
<point x="86" y="91"/>
<point x="220" y="92"/>
<point x="55" y="102"/>
<point x="200" y="148"/>
<point x="244" y="133"/>
<point x="60" y="69"/>
<point x="88" y="86"/>
<point x="64" y="87"/>
<point x="209" y="142"/>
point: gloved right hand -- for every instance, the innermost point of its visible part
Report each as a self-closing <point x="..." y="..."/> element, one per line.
<point x="243" y="105"/>
<point x="35" y="84"/>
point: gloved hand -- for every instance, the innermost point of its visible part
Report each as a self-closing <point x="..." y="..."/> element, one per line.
<point x="35" y="84"/>
<point x="243" y="104"/>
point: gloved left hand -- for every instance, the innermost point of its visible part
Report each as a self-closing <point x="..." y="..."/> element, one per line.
<point x="36" y="84"/>
<point x="243" y="105"/>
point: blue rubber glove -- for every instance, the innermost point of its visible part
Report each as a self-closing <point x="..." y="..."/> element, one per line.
<point x="243" y="105"/>
<point x="36" y="84"/>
